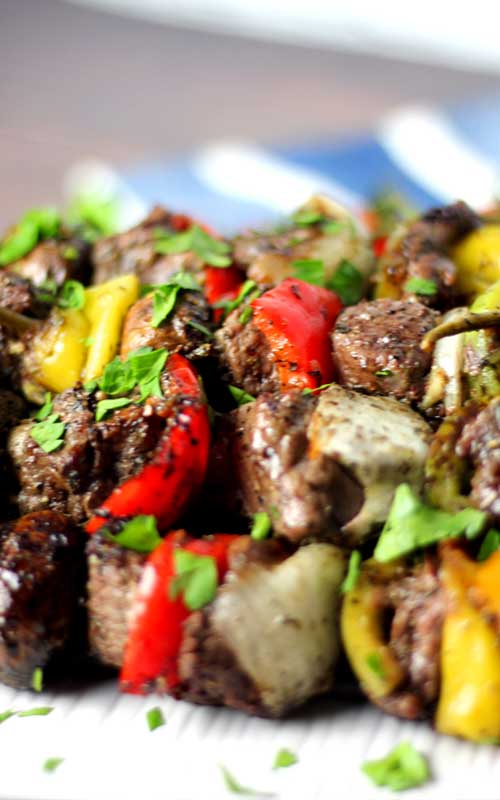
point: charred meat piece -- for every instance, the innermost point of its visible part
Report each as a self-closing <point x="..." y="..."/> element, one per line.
<point x="135" y="251"/>
<point x="41" y="584"/>
<point x="113" y="577"/>
<point x="245" y="356"/>
<point x="376" y="347"/>
<point x="55" y="261"/>
<point x="269" y="640"/>
<point x="480" y="442"/>
<point x="268" y="258"/>
<point x="96" y="456"/>
<point x="421" y="251"/>
<point x="176" y="334"/>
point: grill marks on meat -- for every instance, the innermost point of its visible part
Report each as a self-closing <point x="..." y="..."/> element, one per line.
<point x="113" y="577"/>
<point x="134" y="251"/>
<point x="41" y="582"/>
<point x="245" y="356"/>
<point x="175" y="334"/>
<point x="480" y="442"/>
<point x="275" y="472"/>
<point x="376" y="347"/>
<point x="96" y="456"/>
<point x="422" y="251"/>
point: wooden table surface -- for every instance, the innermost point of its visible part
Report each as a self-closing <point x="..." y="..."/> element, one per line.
<point x="76" y="83"/>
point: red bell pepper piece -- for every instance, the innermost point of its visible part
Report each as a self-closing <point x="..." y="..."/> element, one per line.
<point x="296" y="319"/>
<point x="155" y="634"/>
<point x="379" y="245"/>
<point x="166" y="484"/>
<point x="222" y="283"/>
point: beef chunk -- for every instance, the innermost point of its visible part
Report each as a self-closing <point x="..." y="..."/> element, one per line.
<point x="96" y="456"/>
<point x="135" y="251"/>
<point x="175" y="334"/>
<point x="245" y="356"/>
<point x="55" y="261"/>
<point x="114" y="575"/>
<point x="421" y="251"/>
<point x="269" y="640"/>
<point x="41" y="583"/>
<point x="480" y="442"/>
<point x="376" y="347"/>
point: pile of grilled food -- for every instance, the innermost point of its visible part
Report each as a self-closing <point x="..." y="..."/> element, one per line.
<point x="233" y="468"/>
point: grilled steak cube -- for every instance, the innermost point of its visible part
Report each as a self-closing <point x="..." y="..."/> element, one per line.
<point x="41" y="584"/>
<point x="245" y="356"/>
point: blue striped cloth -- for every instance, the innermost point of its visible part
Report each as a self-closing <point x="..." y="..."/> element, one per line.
<point x="430" y="155"/>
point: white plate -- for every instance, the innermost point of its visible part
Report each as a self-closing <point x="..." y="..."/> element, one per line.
<point x="109" y="751"/>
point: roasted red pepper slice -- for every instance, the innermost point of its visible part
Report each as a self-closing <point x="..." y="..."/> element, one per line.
<point x="222" y="283"/>
<point x="177" y="468"/>
<point x="155" y="635"/>
<point x="296" y="319"/>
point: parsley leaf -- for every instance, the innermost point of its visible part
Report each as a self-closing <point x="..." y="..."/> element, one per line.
<point x="117" y="377"/>
<point x="105" y="406"/>
<point x="72" y="295"/>
<point x="306" y="216"/>
<point x="489" y="545"/>
<point x="34" y="225"/>
<point x="246" y="315"/>
<point x="49" y="434"/>
<point x="146" y="368"/>
<point x="196" y="577"/>
<point x="70" y="253"/>
<point x="139" y="534"/>
<point x="165" y="295"/>
<point x="45" y="410"/>
<point x="4" y="715"/>
<point x="374" y="662"/>
<point x="308" y="390"/>
<point x="284" y="758"/>
<point x="51" y="764"/>
<point x="201" y="328"/>
<point x="96" y="212"/>
<point x="234" y="786"/>
<point x="402" y="768"/>
<point x="310" y="271"/>
<point x="155" y="718"/>
<point x="261" y="527"/>
<point x="247" y="288"/>
<point x="41" y="711"/>
<point x="421" y="286"/>
<point x="241" y="397"/>
<point x="412" y="525"/>
<point x="353" y="570"/>
<point x="211" y="251"/>
<point x="37" y="679"/>
<point x="383" y="373"/>
<point x="347" y="282"/>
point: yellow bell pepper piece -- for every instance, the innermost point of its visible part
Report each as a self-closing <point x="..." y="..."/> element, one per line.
<point x="469" y="704"/>
<point x="105" y="309"/>
<point x="477" y="258"/>
<point x="58" y="351"/>
<point x="361" y="625"/>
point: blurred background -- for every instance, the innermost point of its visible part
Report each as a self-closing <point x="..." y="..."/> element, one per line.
<point x="136" y="81"/>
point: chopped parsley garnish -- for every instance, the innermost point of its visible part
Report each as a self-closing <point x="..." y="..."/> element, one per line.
<point x="390" y="209"/>
<point x="261" y="527"/>
<point x="489" y="545"/>
<point x="247" y="288"/>
<point x="34" y="226"/>
<point x="141" y="369"/>
<point x="46" y="409"/>
<point x="241" y="397"/>
<point x="310" y="271"/>
<point x="96" y="213"/>
<point x="412" y="525"/>
<point x="165" y="296"/>
<point x="37" y="679"/>
<point x="307" y="216"/>
<point x="51" y="764"/>
<point x="308" y="390"/>
<point x="139" y="534"/>
<point x="284" y="758"/>
<point x="155" y="718"/>
<point x="348" y="283"/>
<point x="211" y="251"/>
<point x="335" y="226"/>
<point x="41" y="711"/>
<point x="201" y="328"/>
<point x="4" y="715"/>
<point x="70" y="253"/>
<point x="246" y="315"/>
<point x="146" y="366"/>
<point x="353" y="570"/>
<point x="49" y="433"/>
<point x="374" y="662"/>
<point x="234" y="786"/>
<point x="72" y="295"/>
<point x="117" y="377"/>
<point x="383" y="373"/>
<point x="421" y="286"/>
<point x="195" y="577"/>
<point x="103" y="407"/>
<point x="403" y="768"/>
